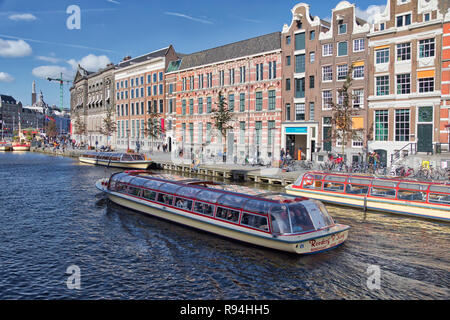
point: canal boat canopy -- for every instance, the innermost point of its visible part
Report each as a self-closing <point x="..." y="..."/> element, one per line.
<point x="273" y="213"/>
<point x="114" y="156"/>
<point x="370" y="186"/>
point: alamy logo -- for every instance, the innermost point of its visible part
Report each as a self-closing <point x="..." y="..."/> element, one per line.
<point x="74" y="280"/>
<point x="374" y="279"/>
<point x="74" y="20"/>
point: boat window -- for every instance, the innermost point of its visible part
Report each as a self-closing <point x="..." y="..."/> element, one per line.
<point x="311" y="181"/>
<point x="165" y="199"/>
<point x="153" y="184"/>
<point x="318" y="213"/>
<point x="120" y="187"/>
<point x="280" y="219"/>
<point x="385" y="183"/>
<point x="257" y="206"/>
<point x="412" y="195"/>
<point x="443" y="189"/>
<point x="227" y="214"/>
<point x="189" y="192"/>
<point x="382" y="192"/>
<point x="138" y="157"/>
<point x="232" y="201"/>
<point x="209" y="196"/>
<point x="300" y="219"/>
<point x="150" y="195"/>
<point x="204" y="208"/>
<point x="359" y="181"/>
<point x="183" y="204"/>
<point x="333" y="186"/>
<point x="138" y="181"/>
<point x="336" y="178"/>
<point x="413" y="186"/>
<point x="170" y="187"/>
<point x="126" y="157"/>
<point x="254" y="221"/>
<point x="439" y="198"/>
<point x="134" y="191"/>
<point x="356" y="189"/>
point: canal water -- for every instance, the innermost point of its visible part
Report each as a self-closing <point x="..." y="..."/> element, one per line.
<point x="52" y="217"/>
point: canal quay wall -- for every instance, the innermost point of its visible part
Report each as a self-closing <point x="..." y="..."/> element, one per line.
<point x="162" y="161"/>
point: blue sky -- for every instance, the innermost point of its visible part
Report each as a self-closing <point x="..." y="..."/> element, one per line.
<point x="35" y="41"/>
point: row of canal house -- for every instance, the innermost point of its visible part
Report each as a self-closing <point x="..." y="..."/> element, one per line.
<point x="280" y="86"/>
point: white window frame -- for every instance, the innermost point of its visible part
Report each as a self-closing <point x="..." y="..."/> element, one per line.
<point x="357" y="47"/>
<point x="360" y="96"/>
<point x="339" y="72"/>
<point x="330" y="67"/>
<point x="327" y="49"/>
<point x="325" y="105"/>
<point x="358" y="76"/>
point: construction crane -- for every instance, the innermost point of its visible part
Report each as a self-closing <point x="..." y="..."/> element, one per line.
<point x="61" y="88"/>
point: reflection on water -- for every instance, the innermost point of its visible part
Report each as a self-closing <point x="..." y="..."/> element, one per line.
<point x="53" y="217"/>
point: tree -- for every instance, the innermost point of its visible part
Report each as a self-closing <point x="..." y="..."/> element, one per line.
<point x="50" y="129"/>
<point x="152" y="127"/>
<point x="343" y="113"/>
<point x="109" y="125"/>
<point x="79" y="127"/>
<point x="222" y="116"/>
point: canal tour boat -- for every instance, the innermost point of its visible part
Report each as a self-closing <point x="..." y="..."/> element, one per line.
<point x="117" y="160"/>
<point x="21" y="146"/>
<point x="272" y="220"/>
<point x="408" y="197"/>
<point x="4" y="146"/>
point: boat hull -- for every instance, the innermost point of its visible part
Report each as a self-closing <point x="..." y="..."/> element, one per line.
<point x="422" y="210"/>
<point x="117" y="164"/>
<point x="21" y="148"/>
<point x="5" y="148"/>
<point x="301" y="244"/>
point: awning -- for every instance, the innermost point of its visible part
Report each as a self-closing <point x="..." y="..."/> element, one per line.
<point x="382" y="47"/>
<point x="358" y="64"/>
<point x="358" y="123"/>
<point x="425" y="74"/>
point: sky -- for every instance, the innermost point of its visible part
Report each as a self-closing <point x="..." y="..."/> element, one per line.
<point x="40" y="39"/>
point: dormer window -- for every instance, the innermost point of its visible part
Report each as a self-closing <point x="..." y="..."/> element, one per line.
<point x="342" y="28"/>
<point x="426" y="17"/>
<point x="404" y="20"/>
<point x="382" y="26"/>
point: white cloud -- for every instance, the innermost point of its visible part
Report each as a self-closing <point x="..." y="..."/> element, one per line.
<point x="14" y="48"/>
<point x="182" y="15"/>
<point x="113" y="1"/>
<point x="90" y="62"/>
<point x="6" y="77"/>
<point x="48" y="59"/>
<point x="370" y="13"/>
<point x="22" y="17"/>
<point x="52" y="72"/>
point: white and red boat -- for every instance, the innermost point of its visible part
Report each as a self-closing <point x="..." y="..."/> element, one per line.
<point x="408" y="197"/>
<point x="5" y="146"/>
<point x="21" y="146"/>
<point x="272" y="220"/>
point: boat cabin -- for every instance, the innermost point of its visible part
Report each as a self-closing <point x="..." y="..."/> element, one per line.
<point x="273" y="213"/>
<point x="373" y="187"/>
<point x="113" y="156"/>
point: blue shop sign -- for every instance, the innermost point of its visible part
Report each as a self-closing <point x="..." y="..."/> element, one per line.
<point x="297" y="130"/>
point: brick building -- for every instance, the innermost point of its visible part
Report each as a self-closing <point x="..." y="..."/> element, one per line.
<point x="445" y="103"/>
<point x="140" y="91"/>
<point x="248" y="73"/>
<point x="301" y="91"/>
<point x="405" y="44"/>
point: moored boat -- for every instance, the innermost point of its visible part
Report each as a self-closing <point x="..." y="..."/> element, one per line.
<point x="5" y="146"/>
<point x="117" y="160"/>
<point x="21" y="146"/>
<point x="408" y="197"/>
<point x="272" y="220"/>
